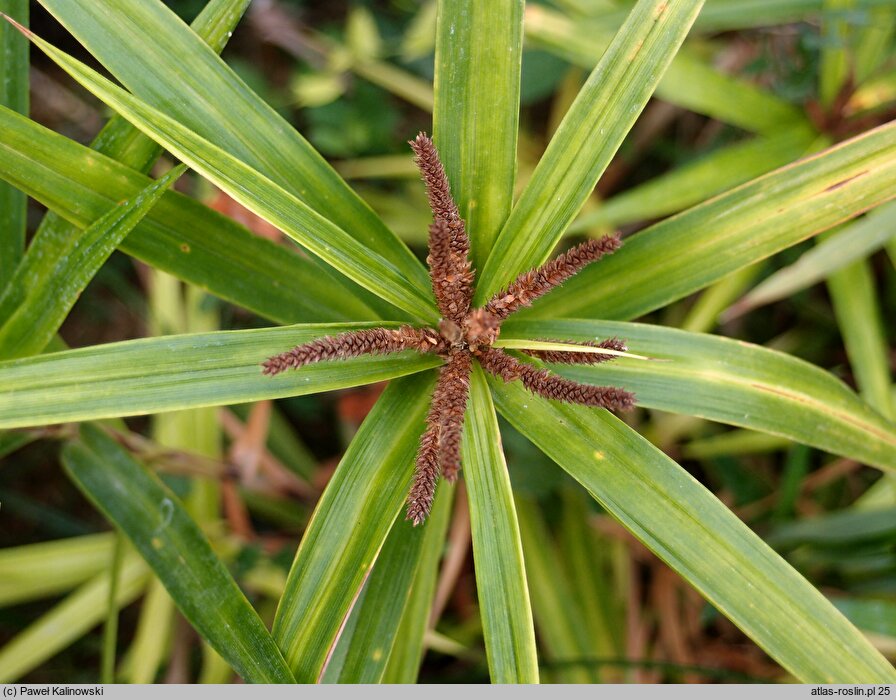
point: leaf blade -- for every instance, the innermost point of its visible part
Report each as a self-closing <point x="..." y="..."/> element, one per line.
<point x="732" y="382"/>
<point x="610" y="101"/>
<point x="174" y="372"/>
<point x="697" y="536"/>
<point x="174" y="546"/>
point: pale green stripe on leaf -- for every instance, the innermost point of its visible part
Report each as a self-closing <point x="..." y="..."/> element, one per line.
<point x="479" y="47"/>
<point x="588" y="138"/>
<point x="497" y="550"/>
<point x="184" y="371"/>
<point x="729" y="381"/>
<point x="349" y="526"/>
<point x="695" y="534"/>
<point x="689" y="251"/>
<point x="151" y="516"/>
<point x="260" y="194"/>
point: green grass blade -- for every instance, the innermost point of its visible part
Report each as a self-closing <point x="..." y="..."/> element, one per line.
<point x="69" y="620"/>
<point x="152" y="635"/>
<point x="731" y="382"/>
<point x="588" y="137"/>
<point x="689" y="82"/>
<point x="834" y="64"/>
<point x="698" y="180"/>
<point x="118" y="140"/>
<point x="387" y="596"/>
<point x="561" y="631"/>
<point x="41" y="570"/>
<point x="680" y="255"/>
<point x="173" y="545"/>
<point x="46" y="304"/>
<point x="689" y="529"/>
<point x="852" y="243"/>
<point x="179" y="236"/>
<point x="193" y="86"/>
<point x="261" y="195"/>
<point x="479" y="48"/>
<point x="497" y="551"/>
<point x="407" y="650"/>
<point x="859" y="317"/>
<point x="174" y="372"/>
<point x="14" y="95"/>
<point x="353" y="518"/>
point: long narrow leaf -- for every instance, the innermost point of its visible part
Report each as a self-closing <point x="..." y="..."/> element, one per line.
<point x="179" y="236"/>
<point x="14" y="95"/>
<point x="69" y="620"/>
<point x="193" y="86"/>
<point x="479" y="48"/>
<point x="497" y="551"/>
<point x="173" y="545"/>
<point x="749" y="223"/>
<point x="174" y="372"/>
<point x="46" y="305"/>
<point x="349" y="526"/>
<point x="260" y="194"/>
<point x="732" y="382"/>
<point x="588" y="137"/>
<point x="687" y="527"/>
<point x="854" y="242"/>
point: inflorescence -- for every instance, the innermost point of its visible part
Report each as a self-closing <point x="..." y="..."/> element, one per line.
<point x="465" y="334"/>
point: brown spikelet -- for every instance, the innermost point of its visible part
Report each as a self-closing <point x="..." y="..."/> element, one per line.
<point x="550" y="386"/>
<point x="452" y="278"/>
<point x="579" y="358"/>
<point x="535" y="283"/>
<point x="439" y="192"/>
<point x="426" y="471"/>
<point x="370" y="341"/>
<point x="456" y="389"/>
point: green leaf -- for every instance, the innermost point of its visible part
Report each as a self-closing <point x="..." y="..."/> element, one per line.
<point x="46" y="304"/>
<point x="34" y="571"/>
<point x="14" y="95"/>
<point x="560" y="626"/>
<point x="698" y="180"/>
<point x="193" y="86"/>
<point x="689" y="81"/>
<point x="350" y="524"/>
<point x="729" y="381"/>
<point x="853" y="242"/>
<point x="69" y="620"/>
<point x="387" y="595"/>
<point x="479" y="48"/>
<point x="497" y="551"/>
<point x="407" y="650"/>
<point x="174" y="372"/>
<point x="179" y="236"/>
<point x="859" y="317"/>
<point x="588" y="137"/>
<point x="680" y="255"/>
<point x="180" y="555"/>
<point x="261" y="195"/>
<point x="695" y="534"/>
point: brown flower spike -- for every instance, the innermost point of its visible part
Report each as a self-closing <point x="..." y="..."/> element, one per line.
<point x="464" y="334"/>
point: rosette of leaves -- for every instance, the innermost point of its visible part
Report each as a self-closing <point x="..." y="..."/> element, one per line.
<point x="356" y="603"/>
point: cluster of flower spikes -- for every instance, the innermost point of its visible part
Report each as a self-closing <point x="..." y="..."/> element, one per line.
<point x="465" y="334"/>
